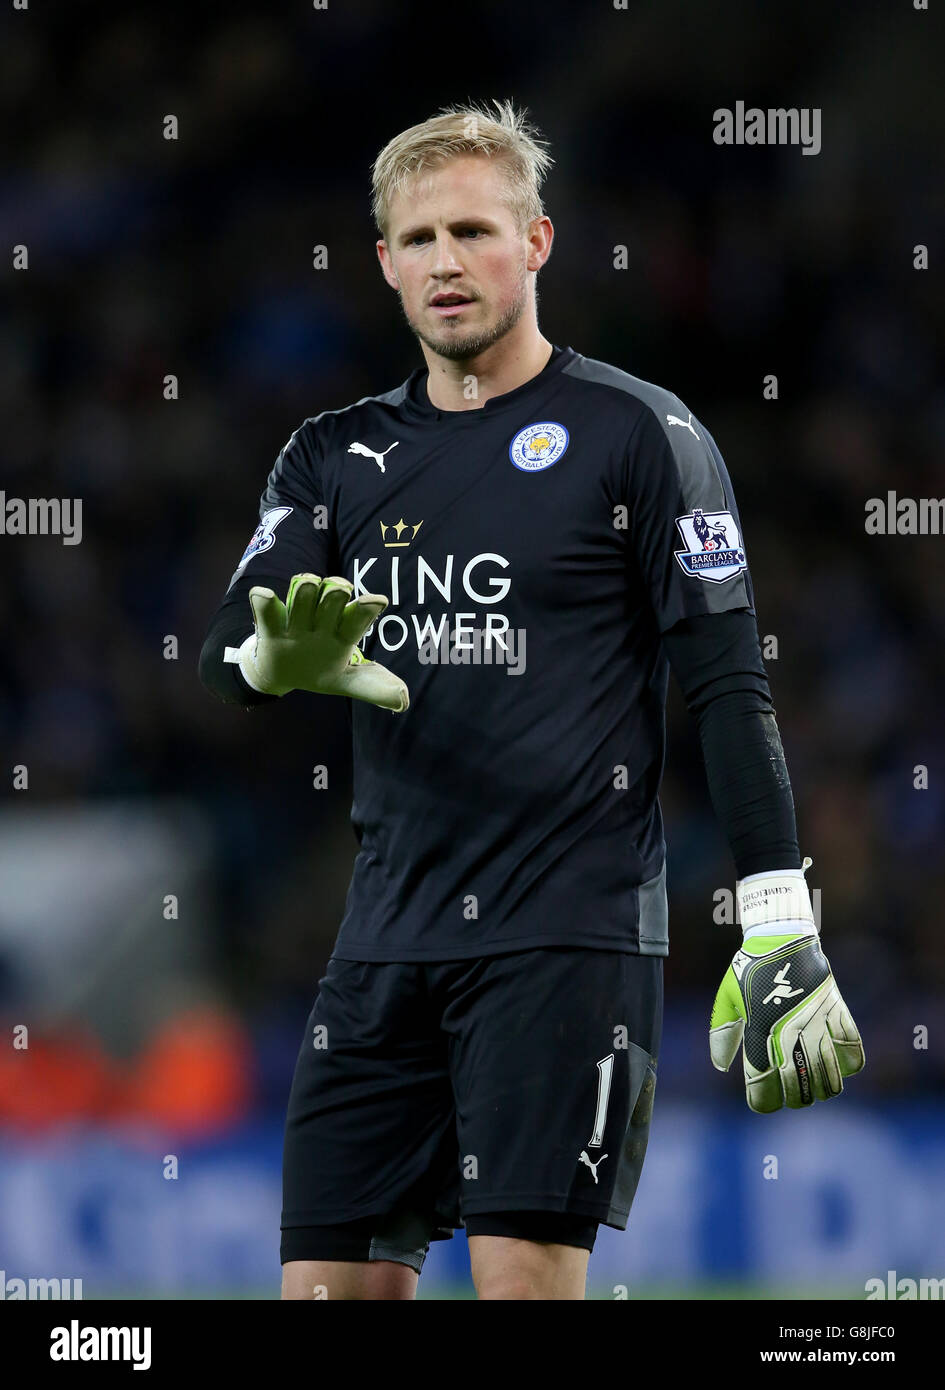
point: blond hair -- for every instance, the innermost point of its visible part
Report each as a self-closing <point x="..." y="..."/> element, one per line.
<point x="505" y="135"/>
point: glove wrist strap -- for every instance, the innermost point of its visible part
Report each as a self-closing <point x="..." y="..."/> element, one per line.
<point x="247" y="668"/>
<point x="775" y="904"/>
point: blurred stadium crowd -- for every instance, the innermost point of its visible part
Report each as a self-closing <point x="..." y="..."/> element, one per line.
<point x="193" y="257"/>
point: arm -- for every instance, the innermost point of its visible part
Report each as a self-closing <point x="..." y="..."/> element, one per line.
<point x="229" y="627"/>
<point x="308" y="641"/>
<point x="778" y="999"/>
<point x="285" y="542"/>
<point x="716" y="658"/>
<point x="281" y="626"/>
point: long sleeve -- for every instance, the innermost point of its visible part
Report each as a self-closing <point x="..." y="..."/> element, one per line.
<point x="716" y="658"/>
<point x="288" y="540"/>
<point x="230" y="625"/>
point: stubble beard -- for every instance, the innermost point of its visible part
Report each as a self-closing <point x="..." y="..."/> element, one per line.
<point x="458" y="346"/>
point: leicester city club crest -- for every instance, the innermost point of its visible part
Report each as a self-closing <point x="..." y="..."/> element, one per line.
<point x="713" y="548"/>
<point x="538" y="446"/>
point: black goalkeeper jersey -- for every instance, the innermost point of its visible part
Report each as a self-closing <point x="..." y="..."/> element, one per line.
<point x="533" y="551"/>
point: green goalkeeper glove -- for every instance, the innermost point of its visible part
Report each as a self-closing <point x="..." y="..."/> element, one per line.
<point x="779" y="1000"/>
<point x="309" y="643"/>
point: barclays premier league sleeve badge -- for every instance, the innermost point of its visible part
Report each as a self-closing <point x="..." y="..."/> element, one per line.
<point x="713" y="549"/>
<point x="264" y="535"/>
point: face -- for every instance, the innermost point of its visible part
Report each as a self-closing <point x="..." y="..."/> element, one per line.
<point x="460" y="263"/>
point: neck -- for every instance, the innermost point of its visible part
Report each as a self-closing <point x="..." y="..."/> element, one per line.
<point x="505" y="365"/>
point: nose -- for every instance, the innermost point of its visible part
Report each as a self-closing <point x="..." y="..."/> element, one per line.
<point x="445" y="263"/>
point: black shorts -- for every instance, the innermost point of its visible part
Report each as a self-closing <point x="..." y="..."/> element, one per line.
<point x="511" y="1094"/>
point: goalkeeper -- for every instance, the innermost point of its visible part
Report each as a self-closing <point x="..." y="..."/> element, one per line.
<point x="493" y="1001"/>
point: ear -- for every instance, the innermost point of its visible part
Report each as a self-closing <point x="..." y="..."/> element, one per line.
<point x="387" y="266"/>
<point x="540" y="236"/>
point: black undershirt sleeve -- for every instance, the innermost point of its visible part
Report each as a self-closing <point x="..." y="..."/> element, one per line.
<point x="716" y="658"/>
<point x="229" y="627"/>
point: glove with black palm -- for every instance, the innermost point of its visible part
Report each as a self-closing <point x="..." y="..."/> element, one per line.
<point x="780" y="1002"/>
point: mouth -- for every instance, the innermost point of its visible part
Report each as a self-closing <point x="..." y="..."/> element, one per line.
<point x="448" y="305"/>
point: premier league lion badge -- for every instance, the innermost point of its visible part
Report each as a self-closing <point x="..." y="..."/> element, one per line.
<point x="713" y="548"/>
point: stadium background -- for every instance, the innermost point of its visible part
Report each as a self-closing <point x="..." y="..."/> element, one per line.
<point x="153" y="1036"/>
